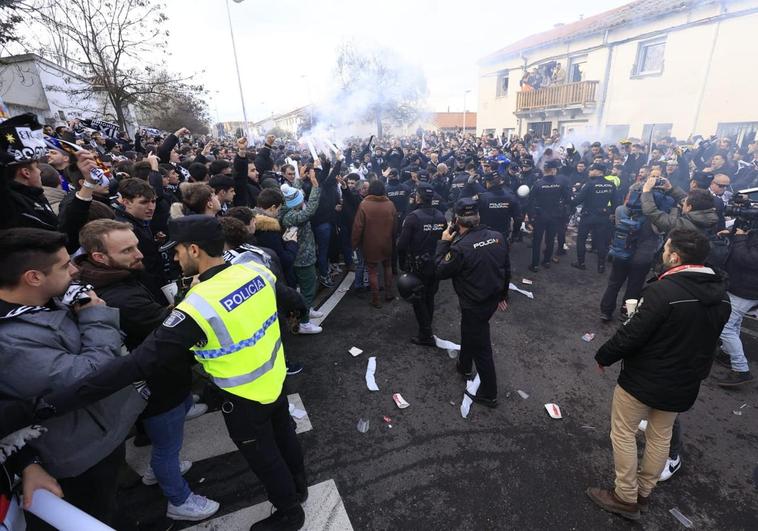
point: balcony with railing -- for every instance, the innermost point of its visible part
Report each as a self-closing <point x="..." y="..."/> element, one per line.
<point x="580" y="94"/>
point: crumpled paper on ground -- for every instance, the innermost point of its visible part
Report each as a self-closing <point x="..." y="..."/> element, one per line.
<point x="514" y="287"/>
<point x="445" y="344"/>
<point x="472" y="386"/>
<point x="370" y="370"/>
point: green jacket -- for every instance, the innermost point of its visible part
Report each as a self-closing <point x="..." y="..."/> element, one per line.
<point x="300" y="218"/>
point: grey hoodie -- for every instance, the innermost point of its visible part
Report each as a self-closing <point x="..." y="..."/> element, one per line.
<point x="47" y="349"/>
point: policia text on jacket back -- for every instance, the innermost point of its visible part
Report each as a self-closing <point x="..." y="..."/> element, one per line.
<point x="229" y="323"/>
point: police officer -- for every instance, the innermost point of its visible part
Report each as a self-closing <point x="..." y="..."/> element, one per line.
<point x="476" y="258"/>
<point x="498" y="206"/>
<point x="599" y="198"/>
<point x="547" y="203"/>
<point x="400" y="194"/>
<point x="421" y="231"/>
<point x="229" y="322"/>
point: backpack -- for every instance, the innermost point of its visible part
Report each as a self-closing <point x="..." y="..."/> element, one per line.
<point x="626" y="235"/>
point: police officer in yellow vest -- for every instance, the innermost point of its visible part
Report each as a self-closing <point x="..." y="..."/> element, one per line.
<point x="229" y="323"/>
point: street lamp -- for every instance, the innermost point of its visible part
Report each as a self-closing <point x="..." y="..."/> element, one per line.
<point x="464" y="111"/>
<point x="236" y="63"/>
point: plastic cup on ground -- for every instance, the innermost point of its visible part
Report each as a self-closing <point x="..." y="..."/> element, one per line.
<point x="631" y="306"/>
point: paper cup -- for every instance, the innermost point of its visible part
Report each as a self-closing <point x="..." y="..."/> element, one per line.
<point x="170" y="291"/>
<point x="631" y="306"/>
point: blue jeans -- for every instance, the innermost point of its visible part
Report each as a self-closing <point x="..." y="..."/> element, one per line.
<point x="322" y="233"/>
<point x="730" y="335"/>
<point x="361" y="273"/>
<point x="166" y="431"/>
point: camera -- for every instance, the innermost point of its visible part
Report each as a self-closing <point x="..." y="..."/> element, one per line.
<point x="744" y="208"/>
<point x="660" y="182"/>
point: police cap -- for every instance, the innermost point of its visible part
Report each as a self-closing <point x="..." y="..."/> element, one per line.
<point x="193" y="229"/>
<point x="425" y="190"/>
<point x="598" y="167"/>
<point x="553" y="164"/>
<point x="466" y="207"/>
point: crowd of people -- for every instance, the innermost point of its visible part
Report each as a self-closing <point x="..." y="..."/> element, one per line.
<point x="132" y="241"/>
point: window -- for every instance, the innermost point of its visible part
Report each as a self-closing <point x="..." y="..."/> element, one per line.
<point x="654" y="132"/>
<point x="540" y="129"/>
<point x="741" y="133"/>
<point x="650" y="58"/>
<point x="502" y="84"/>
<point x="576" y="68"/>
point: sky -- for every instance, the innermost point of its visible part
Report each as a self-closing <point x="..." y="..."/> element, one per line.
<point x="287" y="48"/>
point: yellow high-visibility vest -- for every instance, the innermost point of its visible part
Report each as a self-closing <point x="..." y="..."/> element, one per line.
<point x="236" y="310"/>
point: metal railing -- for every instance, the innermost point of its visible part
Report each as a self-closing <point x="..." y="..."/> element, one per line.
<point x="557" y="96"/>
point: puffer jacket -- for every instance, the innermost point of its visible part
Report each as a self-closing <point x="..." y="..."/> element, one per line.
<point x="49" y="348"/>
<point x="300" y="218"/>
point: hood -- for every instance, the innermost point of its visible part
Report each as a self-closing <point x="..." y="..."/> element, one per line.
<point x="704" y="219"/>
<point x="265" y="223"/>
<point x="177" y="210"/>
<point x="377" y="198"/>
<point x="97" y="275"/>
<point x="702" y="283"/>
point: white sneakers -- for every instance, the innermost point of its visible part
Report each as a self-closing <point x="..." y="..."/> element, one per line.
<point x="309" y="328"/>
<point x="671" y="468"/>
<point x="149" y="477"/>
<point x="196" y="410"/>
<point x="315" y="314"/>
<point x="195" y="508"/>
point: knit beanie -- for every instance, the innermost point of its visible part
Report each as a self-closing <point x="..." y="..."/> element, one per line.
<point x="292" y="196"/>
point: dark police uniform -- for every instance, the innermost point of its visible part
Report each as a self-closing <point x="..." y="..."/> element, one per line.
<point x="547" y="201"/>
<point x="421" y="231"/>
<point x="498" y="206"/>
<point x="599" y="198"/>
<point x="263" y="431"/>
<point x="400" y="194"/>
<point x="479" y="265"/>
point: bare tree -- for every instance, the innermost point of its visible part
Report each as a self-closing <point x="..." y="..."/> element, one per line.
<point x="9" y="18"/>
<point x="110" y="43"/>
<point x="379" y="85"/>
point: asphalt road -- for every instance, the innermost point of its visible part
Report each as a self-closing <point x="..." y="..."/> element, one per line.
<point x="509" y="468"/>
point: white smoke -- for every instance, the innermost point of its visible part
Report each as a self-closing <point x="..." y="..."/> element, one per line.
<point x="367" y="82"/>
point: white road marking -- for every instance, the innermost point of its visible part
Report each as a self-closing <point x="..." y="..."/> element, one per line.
<point x="331" y="303"/>
<point x="324" y="511"/>
<point x="205" y="437"/>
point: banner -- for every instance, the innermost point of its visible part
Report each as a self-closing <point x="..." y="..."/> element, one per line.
<point x="109" y="129"/>
<point x="21" y="137"/>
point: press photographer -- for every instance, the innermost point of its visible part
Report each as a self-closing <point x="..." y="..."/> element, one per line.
<point x="742" y="266"/>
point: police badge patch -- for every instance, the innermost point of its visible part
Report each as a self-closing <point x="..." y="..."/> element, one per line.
<point x="174" y="319"/>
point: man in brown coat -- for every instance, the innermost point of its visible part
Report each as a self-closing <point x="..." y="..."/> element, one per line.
<point x="373" y="230"/>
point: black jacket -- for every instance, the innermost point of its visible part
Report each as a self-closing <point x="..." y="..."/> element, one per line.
<point x="154" y="277"/>
<point x="479" y="265"/>
<point x="400" y="195"/>
<point x="497" y="206"/>
<point x="418" y="239"/>
<point x="327" y="180"/>
<point x="668" y="345"/>
<point x="140" y="314"/>
<point x="548" y="198"/>
<point x="742" y="266"/>
<point x="25" y="206"/>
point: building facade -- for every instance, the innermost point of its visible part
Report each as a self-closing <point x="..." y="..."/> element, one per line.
<point x="30" y="83"/>
<point x="648" y="69"/>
